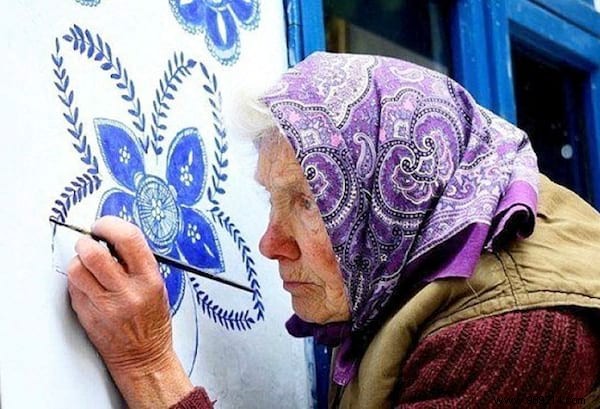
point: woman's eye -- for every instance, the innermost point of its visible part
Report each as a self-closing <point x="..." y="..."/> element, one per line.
<point x="308" y="204"/>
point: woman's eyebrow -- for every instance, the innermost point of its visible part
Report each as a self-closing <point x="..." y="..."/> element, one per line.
<point x="291" y="187"/>
<point x="284" y="182"/>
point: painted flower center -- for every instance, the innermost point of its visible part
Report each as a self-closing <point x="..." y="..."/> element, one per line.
<point x="157" y="212"/>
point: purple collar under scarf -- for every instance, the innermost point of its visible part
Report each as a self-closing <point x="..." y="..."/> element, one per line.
<point x="413" y="180"/>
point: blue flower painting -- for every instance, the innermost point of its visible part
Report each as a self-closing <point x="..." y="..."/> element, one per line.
<point x="163" y="208"/>
<point x="164" y="204"/>
<point x="219" y="21"/>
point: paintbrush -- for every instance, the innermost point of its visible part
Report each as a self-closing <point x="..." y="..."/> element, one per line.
<point x="161" y="259"/>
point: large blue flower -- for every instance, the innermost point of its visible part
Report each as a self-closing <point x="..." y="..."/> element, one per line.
<point x="162" y="208"/>
<point x="219" y="20"/>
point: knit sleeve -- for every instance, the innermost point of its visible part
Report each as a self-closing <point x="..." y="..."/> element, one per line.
<point x="197" y="399"/>
<point x="546" y="357"/>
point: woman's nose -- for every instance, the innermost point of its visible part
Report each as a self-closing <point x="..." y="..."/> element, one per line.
<point x="278" y="243"/>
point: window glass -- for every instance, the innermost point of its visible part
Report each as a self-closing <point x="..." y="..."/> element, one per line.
<point x="549" y="97"/>
<point x="417" y="31"/>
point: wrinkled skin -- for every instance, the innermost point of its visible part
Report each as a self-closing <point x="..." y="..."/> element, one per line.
<point x="123" y="307"/>
<point x="296" y="237"/>
<point x="122" y="303"/>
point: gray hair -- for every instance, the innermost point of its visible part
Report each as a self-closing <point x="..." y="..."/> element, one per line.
<point x="249" y="117"/>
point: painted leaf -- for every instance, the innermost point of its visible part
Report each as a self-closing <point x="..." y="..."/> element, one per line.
<point x="191" y="12"/>
<point x="198" y="242"/>
<point x="120" y="152"/>
<point x="186" y="166"/>
<point x="246" y="11"/>
<point x="116" y="202"/>
<point x="222" y="29"/>
<point x="174" y="282"/>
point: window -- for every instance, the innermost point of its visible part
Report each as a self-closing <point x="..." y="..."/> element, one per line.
<point x="549" y="101"/>
<point x="416" y="31"/>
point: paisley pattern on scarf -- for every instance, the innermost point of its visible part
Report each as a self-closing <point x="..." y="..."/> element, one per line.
<point x="400" y="159"/>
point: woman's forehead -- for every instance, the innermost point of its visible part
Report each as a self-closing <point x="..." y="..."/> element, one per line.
<point x="278" y="167"/>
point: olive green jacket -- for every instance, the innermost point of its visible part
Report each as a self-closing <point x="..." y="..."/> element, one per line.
<point x="558" y="265"/>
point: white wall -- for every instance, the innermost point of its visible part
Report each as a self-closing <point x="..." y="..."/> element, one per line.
<point x="45" y="359"/>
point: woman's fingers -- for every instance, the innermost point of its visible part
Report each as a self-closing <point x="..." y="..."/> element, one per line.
<point x="129" y="243"/>
<point x="122" y="303"/>
<point x="97" y="259"/>
<point x="83" y="280"/>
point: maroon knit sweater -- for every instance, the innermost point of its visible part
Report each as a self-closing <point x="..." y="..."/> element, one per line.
<point x="197" y="399"/>
<point x="544" y="358"/>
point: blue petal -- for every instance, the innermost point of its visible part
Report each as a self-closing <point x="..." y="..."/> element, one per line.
<point x="246" y="11"/>
<point x="191" y="15"/>
<point x="186" y="166"/>
<point x="174" y="282"/>
<point x="115" y="202"/>
<point x="120" y="151"/>
<point x="222" y="36"/>
<point x="198" y="242"/>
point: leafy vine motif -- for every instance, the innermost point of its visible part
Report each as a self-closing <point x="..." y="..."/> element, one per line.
<point x="224" y="221"/>
<point x="240" y="320"/>
<point x="81" y="187"/>
<point x="212" y="89"/>
<point x="229" y="319"/>
<point x="100" y="51"/>
<point x="90" y="181"/>
<point x="177" y="69"/>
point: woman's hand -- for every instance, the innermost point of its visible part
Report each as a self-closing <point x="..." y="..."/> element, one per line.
<point x="122" y="304"/>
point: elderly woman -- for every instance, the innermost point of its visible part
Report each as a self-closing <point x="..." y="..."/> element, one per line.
<point x="413" y="232"/>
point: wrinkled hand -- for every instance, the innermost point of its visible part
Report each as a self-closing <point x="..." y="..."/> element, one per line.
<point x="122" y="304"/>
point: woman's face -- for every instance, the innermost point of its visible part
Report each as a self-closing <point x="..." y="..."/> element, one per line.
<point x="296" y="237"/>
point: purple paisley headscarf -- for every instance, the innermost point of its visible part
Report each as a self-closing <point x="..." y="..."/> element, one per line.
<point x="413" y="180"/>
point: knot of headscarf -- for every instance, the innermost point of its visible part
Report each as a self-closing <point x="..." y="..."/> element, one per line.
<point x="413" y="180"/>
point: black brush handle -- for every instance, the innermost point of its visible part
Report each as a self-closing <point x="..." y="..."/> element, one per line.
<point x="160" y="258"/>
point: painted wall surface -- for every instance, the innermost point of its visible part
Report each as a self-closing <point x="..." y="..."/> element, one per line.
<point x="124" y="108"/>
